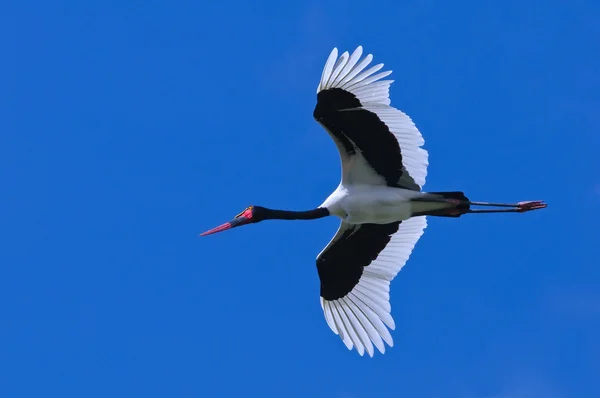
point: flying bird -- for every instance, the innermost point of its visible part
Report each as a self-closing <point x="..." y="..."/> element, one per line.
<point x="379" y="201"/>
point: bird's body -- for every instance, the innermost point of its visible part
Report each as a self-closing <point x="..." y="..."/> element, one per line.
<point x="379" y="201"/>
<point x="379" y="204"/>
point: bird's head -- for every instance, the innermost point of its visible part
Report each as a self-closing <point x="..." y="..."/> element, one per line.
<point x="252" y="214"/>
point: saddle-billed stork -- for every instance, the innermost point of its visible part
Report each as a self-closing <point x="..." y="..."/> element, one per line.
<point x="379" y="200"/>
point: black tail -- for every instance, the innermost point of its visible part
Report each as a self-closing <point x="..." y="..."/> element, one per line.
<point x="456" y="211"/>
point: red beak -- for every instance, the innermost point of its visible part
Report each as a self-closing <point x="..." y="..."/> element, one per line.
<point x="236" y="222"/>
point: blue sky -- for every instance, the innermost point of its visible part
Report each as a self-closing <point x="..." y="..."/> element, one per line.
<point x="127" y="128"/>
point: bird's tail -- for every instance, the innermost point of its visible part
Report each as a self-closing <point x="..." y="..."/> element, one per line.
<point x="458" y="203"/>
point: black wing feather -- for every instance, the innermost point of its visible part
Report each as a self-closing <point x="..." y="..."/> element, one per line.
<point x="357" y="129"/>
<point x="341" y="264"/>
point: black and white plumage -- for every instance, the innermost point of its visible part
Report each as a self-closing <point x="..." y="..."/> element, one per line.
<point x="356" y="269"/>
<point x="379" y="200"/>
<point x="353" y="105"/>
<point x="378" y="145"/>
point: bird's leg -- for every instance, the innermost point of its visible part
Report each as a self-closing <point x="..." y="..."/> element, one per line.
<point x="520" y="207"/>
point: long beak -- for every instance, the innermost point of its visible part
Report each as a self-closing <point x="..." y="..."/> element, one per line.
<point x="236" y="222"/>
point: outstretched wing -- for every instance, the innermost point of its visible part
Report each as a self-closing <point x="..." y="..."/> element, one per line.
<point x="355" y="270"/>
<point x="378" y="144"/>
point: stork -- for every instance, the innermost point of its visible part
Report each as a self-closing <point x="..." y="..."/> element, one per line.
<point x="379" y="200"/>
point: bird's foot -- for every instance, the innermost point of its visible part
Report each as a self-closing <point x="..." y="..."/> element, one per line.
<point x="530" y="205"/>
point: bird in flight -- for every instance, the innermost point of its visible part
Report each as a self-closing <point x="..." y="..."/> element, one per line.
<point x="379" y="201"/>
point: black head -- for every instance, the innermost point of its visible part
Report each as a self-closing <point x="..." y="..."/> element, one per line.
<point x="252" y="214"/>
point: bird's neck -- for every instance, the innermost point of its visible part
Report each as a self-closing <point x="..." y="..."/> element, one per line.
<point x="297" y="215"/>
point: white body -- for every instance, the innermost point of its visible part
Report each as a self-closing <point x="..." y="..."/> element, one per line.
<point x="379" y="204"/>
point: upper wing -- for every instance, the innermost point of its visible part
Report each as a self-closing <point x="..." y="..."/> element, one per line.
<point x="355" y="270"/>
<point x="378" y="144"/>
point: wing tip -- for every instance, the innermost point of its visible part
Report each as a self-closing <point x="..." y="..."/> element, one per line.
<point x="345" y="71"/>
<point x="358" y="331"/>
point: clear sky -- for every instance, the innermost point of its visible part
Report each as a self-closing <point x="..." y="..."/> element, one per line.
<point x="129" y="127"/>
